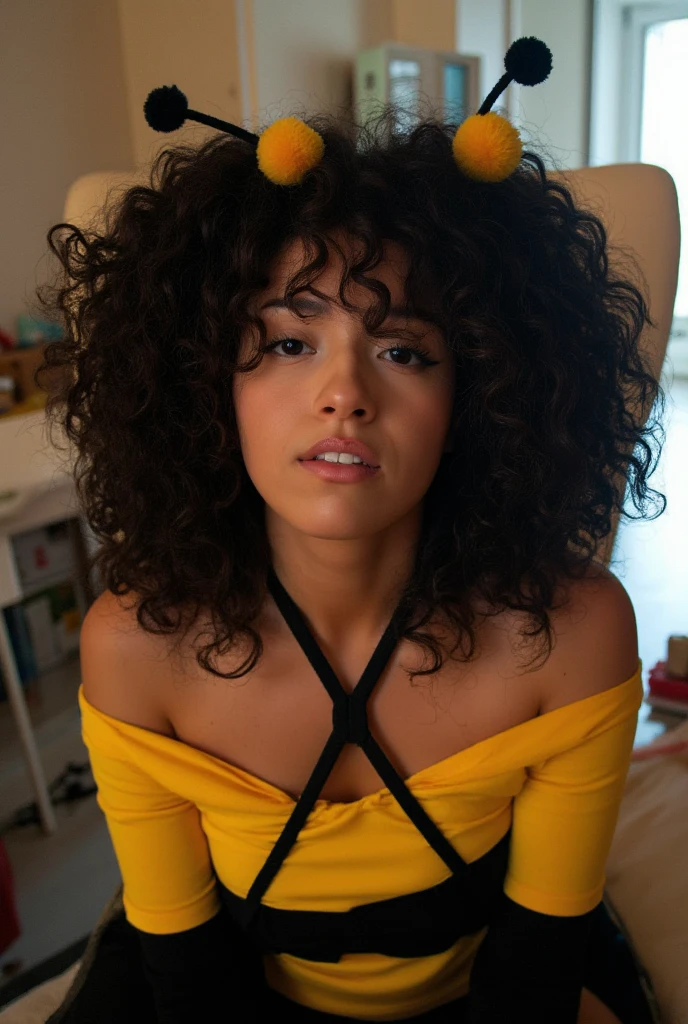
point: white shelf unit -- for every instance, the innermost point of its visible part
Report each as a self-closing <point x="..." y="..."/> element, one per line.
<point x="41" y="505"/>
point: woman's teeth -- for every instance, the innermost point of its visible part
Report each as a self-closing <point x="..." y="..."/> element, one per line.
<point x="344" y="457"/>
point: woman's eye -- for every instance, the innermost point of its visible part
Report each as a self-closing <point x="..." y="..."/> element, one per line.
<point x="401" y="355"/>
<point x="292" y="346"/>
<point x="407" y="354"/>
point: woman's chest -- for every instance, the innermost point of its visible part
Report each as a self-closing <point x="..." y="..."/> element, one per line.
<point x="275" y="721"/>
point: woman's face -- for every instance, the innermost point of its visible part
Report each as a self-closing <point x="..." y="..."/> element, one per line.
<point x="326" y="377"/>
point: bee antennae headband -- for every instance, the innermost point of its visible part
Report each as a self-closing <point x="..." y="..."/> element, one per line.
<point x="486" y="146"/>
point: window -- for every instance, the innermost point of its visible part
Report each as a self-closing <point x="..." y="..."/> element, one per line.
<point x="404" y="89"/>
<point x="652" y="122"/>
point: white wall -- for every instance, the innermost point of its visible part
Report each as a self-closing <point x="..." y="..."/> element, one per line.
<point x="301" y="52"/>
<point x="303" y="55"/>
<point x="554" y="114"/>
<point x="185" y="43"/>
<point x="557" y="112"/>
<point x="482" y="30"/>
<point x="64" y="114"/>
<point x="606" y="77"/>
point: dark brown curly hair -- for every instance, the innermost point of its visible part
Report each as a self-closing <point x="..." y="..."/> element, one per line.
<point x="548" y="372"/>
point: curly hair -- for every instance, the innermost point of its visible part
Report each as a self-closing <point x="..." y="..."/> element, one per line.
<point x="544" y="336"/>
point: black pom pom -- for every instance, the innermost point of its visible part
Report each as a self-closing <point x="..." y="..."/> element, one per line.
<point x="528" y="61"/>
<point x="165" y="109"/>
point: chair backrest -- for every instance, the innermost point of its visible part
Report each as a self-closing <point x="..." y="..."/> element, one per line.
<point x="86" y="197"/>
<point x="637" y="204"/>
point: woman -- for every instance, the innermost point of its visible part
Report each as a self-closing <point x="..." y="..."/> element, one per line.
<point x="228" y="341"/>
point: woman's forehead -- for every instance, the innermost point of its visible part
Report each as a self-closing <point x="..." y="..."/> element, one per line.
<point x="391" y="270"/>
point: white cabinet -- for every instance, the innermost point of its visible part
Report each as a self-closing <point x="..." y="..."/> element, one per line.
<point x="41" y="492"/>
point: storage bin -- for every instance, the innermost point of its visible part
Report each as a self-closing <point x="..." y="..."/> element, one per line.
<point x="45" y="554"/>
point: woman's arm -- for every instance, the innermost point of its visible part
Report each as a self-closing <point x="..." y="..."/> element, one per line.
<point x="531" y="963"/>
<point x="196" y="972"/>
<point x="193" y="955"/>
<point x="529" y="967"/>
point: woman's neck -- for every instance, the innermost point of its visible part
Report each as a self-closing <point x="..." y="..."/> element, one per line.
<point x="346" y="589"/>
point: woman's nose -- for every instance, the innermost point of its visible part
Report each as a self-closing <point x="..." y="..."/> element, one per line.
<point x="345" y="387"/>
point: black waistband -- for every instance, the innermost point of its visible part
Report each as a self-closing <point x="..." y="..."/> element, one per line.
<point x="418" y="924"/>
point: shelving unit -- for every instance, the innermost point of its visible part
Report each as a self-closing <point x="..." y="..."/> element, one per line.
<point x="42" y="504"/>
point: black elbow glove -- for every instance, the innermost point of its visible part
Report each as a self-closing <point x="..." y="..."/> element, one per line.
<point x="530" y="967"/>
<point x="193" y="974"/>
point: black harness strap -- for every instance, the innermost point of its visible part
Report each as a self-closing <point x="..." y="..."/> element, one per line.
<point x="349" y="725"/>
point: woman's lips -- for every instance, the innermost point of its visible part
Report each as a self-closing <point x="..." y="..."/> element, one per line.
<point x="339" y="472"/>
<point x="348" y="445"/>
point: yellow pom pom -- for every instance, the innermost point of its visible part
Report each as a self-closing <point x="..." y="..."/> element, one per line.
<point x="487" y="147"/>
<point x="288" y="149"/>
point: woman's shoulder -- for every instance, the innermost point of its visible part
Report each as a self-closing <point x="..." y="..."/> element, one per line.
<point x="595" y="640"/>
<point x="120" y="663"/>
<point x="127" y="672"/>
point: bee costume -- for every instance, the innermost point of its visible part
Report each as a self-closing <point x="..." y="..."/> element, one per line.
<point x="439" y="898"/>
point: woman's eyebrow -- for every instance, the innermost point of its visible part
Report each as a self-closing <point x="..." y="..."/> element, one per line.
<point x="299" y="302"/>
<point x="314" y="305"/>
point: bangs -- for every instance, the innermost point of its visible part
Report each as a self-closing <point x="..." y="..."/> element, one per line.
<point x="358" y="252"/>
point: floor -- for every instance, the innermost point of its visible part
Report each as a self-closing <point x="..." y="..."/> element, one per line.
<point x="64" y="880"/>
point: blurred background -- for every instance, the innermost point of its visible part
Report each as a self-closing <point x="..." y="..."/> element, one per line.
<point x="75" y="75"/>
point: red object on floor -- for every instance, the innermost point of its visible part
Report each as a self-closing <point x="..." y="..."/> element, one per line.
<point x="10" y="928"/>
<point x="674" y="687"/>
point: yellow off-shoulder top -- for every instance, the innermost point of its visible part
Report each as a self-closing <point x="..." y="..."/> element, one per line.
<point x="180" y="819"/>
